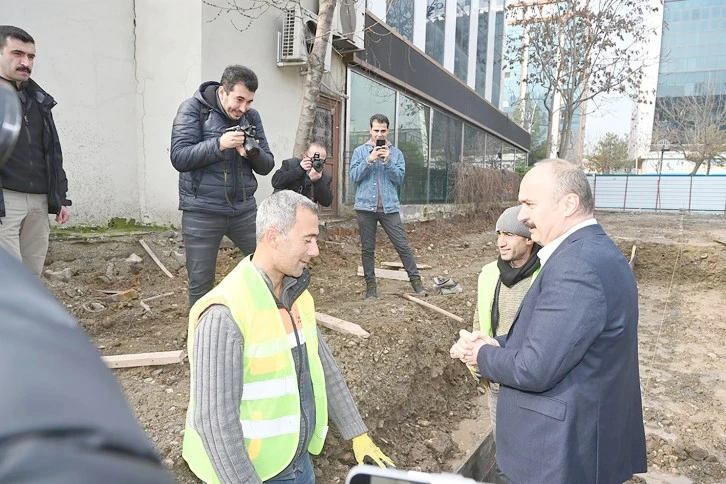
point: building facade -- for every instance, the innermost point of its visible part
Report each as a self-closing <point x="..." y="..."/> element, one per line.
<point x="120" y="68"/>
<point x="689" y="59"/>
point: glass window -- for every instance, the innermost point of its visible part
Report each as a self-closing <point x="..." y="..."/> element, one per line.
<point x="399" y="15"/>
<point x="508" y="156"/>
<point x="445" y="153"/>
<point x="498" y="53"/>
<point x="474" y="145"/>
<point x="461" y="45"/>
<point x="413" y="141"/>
<point x="367" y="98"/>
<point x="435" y="17"/>
<point x="482" y="38"/>
<point x="493" y="152"/>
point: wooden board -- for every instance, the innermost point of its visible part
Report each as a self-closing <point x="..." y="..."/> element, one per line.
<point x="144" y="359"/>
<point x="433" y="308"/>
<point x="341" y="325"/>
<point x="155" y="258"/>
<point x="399" y="265"/>
<point x="387" y="274"/>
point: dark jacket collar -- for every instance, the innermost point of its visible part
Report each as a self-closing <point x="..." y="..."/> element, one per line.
<point x="583" y="233"/>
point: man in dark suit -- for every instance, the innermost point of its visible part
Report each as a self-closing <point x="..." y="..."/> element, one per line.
<point x="569" y="404"/>
<point x="305" y="175"/>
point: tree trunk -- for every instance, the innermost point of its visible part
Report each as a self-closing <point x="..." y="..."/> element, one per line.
<point x="696" y="166"/>
<point x="314" y="76"/>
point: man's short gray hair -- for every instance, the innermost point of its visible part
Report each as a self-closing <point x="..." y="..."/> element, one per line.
<point x="279" y="212"/>
<point x="570" y="179"/>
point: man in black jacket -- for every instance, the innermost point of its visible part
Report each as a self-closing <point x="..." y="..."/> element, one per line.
<point x="33" y="183"/>
<point x="217" y="183"/>
<point x="306" y="175"/>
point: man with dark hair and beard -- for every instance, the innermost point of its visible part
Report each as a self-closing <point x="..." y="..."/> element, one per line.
<point x="33" y="182"/>
<point x="503" y="284"/>
<point x="218" y="144"/>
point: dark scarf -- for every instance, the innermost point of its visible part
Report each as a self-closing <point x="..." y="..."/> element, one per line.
<point x="509" y="276"/>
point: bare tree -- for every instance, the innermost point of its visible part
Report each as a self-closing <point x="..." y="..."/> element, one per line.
<point x="611" y="155"/>
<point x="695" y="126"/>
<point x="577" y="50"/>
<point x="315" y="68"/>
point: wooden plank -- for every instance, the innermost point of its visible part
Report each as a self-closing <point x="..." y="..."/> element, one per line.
<point x="144" y="359"/>
<point x="631" y="263"/>
<point x="432" y="307"/>
<point x="156" y="259"/>
<point x="399" y="265"/>
<point x="387" y="274"/>
<point x="341" y="325"/>
<point x="158" y="296"/>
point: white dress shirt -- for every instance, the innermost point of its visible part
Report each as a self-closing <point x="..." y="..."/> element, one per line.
<point x="546" y="252"/>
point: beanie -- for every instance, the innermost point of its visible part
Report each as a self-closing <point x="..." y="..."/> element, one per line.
<point x="508" y="222"/>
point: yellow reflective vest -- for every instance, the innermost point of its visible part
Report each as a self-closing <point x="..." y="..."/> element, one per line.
<point x="270" y="406"/>
<point x="487" y="286"/>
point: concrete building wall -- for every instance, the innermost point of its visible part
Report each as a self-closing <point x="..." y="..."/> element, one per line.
<point x="168" y="45"/>
<point x="85" y="60"/>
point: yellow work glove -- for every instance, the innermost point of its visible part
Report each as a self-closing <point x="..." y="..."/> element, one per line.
<point x="474" y="372"/>
<point x="366" y="452"/>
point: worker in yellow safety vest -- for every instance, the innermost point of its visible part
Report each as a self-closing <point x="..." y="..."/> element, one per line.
<point x="503" y="283"/>
<point x="262" y="377"/>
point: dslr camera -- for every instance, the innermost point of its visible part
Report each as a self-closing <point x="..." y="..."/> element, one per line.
<point x="251" y="146"/>
<point x="318" y="164"/>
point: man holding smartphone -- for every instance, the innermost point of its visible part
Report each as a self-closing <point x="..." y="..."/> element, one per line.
<point x="306" y="175"/>
<point x="377" y="168"/>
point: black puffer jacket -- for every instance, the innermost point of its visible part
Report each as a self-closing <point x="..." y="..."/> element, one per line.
<point x="57" y="181"/>
<point x="210" y="180"/>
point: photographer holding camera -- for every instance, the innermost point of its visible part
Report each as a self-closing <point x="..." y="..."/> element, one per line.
<point x="217" y="145"/>
<point x="306" y="175"/>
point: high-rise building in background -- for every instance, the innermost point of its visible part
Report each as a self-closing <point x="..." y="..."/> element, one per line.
<point x="688" y="59"/>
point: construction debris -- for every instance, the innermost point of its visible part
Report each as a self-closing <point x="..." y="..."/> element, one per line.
<point x="122" y="296"/>
<point x="144" y="359"/>
<point x="432" y="307"/>
<point x="341" y="325"/>
<point x="632" y="258"/>
<point x="399" y="265"/>
<point x="387" y="274"/>
<point x="159" y="296"/>
<point x="155" y="258"/>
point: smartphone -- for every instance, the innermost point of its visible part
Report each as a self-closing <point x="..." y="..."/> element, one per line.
<point x="377" y="475"/>
<point x="380" y="143"/>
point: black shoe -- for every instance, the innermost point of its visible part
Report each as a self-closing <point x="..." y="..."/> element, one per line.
<point x="371" y="290"/>
<point x="418" y="286"/>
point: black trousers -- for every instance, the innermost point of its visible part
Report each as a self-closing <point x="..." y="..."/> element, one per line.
<point x="391" y="223"/>
<point x="203" y="234"/>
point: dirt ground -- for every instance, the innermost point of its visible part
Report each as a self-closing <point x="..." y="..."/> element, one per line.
<point x="420" y="406"/>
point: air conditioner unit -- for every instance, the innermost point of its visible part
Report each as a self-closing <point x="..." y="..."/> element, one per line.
<point x="348" y="26"/>
<point x="295" y="42"/>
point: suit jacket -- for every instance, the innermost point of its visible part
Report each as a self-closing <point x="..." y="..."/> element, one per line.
<point x="291" y="176"/>
<point x="569" y="405"/>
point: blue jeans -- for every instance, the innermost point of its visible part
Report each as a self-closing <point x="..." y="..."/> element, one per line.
<point x="306" y="475"/>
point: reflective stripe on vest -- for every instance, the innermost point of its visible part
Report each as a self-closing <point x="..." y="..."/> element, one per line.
<point x="270" y="403"/>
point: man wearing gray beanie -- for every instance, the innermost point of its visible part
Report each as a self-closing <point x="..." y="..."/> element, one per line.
<point x="503" y="284"/>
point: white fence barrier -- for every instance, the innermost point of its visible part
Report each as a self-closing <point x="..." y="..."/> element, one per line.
<point x="698" y="193"/>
